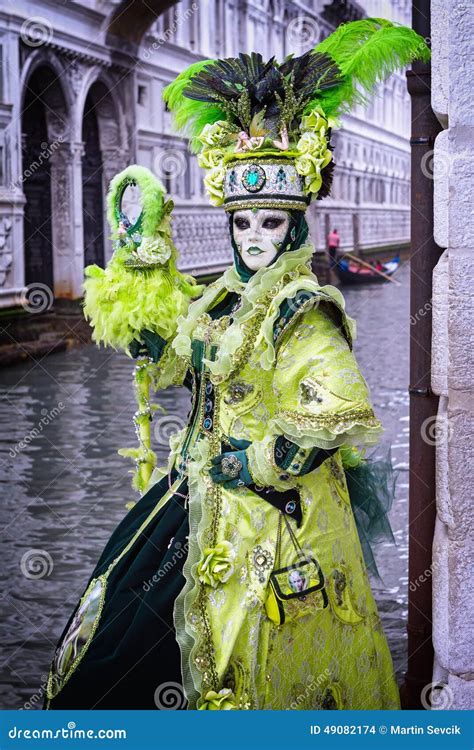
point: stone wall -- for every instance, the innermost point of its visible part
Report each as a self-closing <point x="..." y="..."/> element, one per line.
<point x="453" y="349"/>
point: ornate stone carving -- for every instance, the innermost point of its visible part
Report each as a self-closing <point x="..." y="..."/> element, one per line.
<point x="60" y="198"/>
<point x="75" y="72"/>
<point x="58" y="126"/>
<point x="6" y="250"/>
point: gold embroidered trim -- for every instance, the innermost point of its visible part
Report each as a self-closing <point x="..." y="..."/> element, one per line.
<point x="251" y="328"/>
<point x="270" y="457"/>
<point x="265" y="203"/>
<point x="265" y="157"/>
<point x="210" y="678"/>
<point x="51" y="692"/>
<point x="364" y="416"/>
<point x="208" y="643"/>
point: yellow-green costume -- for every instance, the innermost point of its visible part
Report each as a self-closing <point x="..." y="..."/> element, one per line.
<point x="179" y="595"/>
<point x="230" y="594"/>
<point x="306" y="385"/>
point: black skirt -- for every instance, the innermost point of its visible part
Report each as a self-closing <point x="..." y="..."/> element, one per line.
<point x="133" y="660"/>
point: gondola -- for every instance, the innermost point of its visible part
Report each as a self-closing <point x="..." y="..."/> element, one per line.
<point x="350" y="272"/>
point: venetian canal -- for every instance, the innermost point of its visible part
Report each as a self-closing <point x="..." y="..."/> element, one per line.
<point x="64" y="488"/>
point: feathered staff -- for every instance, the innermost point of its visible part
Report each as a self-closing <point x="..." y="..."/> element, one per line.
<point x="139" y="295"/>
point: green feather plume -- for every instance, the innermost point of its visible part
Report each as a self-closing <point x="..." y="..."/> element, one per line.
<point x="367" y="52"/>
<point x="120" y="301"/>
<point x="190" y="116"/>
<point x="173" y="92"/>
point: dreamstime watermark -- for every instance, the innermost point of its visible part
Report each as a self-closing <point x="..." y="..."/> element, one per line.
<point x="64" y="733"/>
<point x="436" y="429"/>
<point x="167" y="427"/>
<point x="170" y="163"/>
<point x="438" y="164"/>
<point x="302" y="301"/>
<point x="170" y="31"/>
<point x="314" y="684"/>
<point x="36" y="31"/>
<point x="47" y="150"/>
<point x="180" y="551"/>
<point x="169" y="696"/>
<point x="36" y="563"/>
<point x="302" y="33"/>
<point x="437" y="696"/>
<point x="40" y="693"/>
<point x="36" y="297"/>
<point x="46" y="418"/>
<point x="427" y="307"/>
<point x="423" y="577"/>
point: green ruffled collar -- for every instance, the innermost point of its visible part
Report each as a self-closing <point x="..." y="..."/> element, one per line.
<point x="262" y="282"/>
<point x="265" y="277"/>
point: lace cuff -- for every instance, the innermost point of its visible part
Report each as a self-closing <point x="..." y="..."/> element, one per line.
<point x="357" y="426"/>
<point x="262" y="466"/>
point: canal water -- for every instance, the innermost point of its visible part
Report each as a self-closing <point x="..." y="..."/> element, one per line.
<point x="64" y="488"/>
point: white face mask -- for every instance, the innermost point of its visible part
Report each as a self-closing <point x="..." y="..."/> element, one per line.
<point x="259" y="235"/>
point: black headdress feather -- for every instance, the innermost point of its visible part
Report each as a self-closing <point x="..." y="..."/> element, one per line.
<point x="246" y="86"/>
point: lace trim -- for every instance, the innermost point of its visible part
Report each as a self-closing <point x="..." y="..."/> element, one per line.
<point x="357" y="426"/>
<point x="191" y="616"/>
<point x="263" y="469"/>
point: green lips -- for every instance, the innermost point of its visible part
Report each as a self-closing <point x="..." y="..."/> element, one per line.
<point x="254" y="250"/>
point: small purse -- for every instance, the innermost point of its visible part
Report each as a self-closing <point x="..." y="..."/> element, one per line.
<point x="297" y="589"/>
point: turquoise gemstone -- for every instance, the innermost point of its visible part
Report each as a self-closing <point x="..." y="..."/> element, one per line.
<point x="253" y="178"/>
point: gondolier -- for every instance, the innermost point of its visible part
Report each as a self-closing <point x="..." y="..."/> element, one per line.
<point x="334" y="240"/>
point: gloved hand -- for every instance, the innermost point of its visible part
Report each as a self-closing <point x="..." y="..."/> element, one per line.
<point x="231" y="468"/>
<point x="150" y="345"/>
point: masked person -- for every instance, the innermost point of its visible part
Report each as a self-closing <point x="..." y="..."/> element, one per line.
<point x="238" y="581"/>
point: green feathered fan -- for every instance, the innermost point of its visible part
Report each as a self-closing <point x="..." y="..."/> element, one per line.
<point x="140" y="294"/>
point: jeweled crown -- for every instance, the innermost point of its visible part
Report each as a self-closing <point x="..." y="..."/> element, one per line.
<point x="263" y="183"/>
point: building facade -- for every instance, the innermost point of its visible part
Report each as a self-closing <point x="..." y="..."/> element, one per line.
<point x="80" y="99"/>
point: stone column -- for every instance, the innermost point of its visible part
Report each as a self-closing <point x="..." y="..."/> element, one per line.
<point x="62" y="197"/>
<point x="453" y="352"/>
<point x="12" y="199"/>
<point x="77" y="152"/>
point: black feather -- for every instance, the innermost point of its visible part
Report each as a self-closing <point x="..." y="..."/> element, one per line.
<point x="311" y="72"/>
<point x="264" y="83"/>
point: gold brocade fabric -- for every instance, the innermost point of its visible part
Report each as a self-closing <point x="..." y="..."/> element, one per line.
<point x="330" y="651"/>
